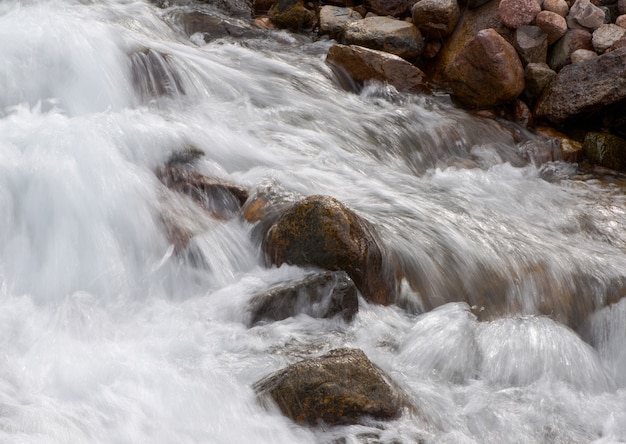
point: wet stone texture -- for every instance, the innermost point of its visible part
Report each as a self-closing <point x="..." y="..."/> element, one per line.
<point x="341" y="387"/>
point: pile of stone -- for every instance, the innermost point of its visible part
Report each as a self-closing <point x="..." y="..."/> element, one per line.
<point x="551" y="62"/>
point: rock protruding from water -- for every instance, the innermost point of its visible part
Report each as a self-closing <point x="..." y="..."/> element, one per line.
<point x="291" y="14"/>
<point x="322" y="295"/>
<point x="320" y="231"/>
<point x="486" y="72"/>
<point x="363" y="65"/>
<point x="385" y="34"/>
<point x="585" y="87"/>
<point x="220" y="198"/>
<point x="339" y="388"/>
<point x="334" y="18"/>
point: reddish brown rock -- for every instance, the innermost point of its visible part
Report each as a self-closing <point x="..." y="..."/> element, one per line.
<point x="516" y="13"/>
<point x="363" y="65"/>
<point x="340" y="387"/>
<point x="436" y="18"/>
<point x="552" y="24"/>
<point x="471" y="21"/>
<point x="486" y="72"/>
<point x="320" y="231"/>
<point x="569" y="150"/>
<point x="385" y="34"/>
<point x="585" y="88"/>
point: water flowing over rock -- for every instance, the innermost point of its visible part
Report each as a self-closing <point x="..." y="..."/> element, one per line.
<point x="219" y="198"/>
<point x="154" y="75"/>
<point x="363" y="65"/>
<point x="385" y="34"/>
<point x="486" y="72"/>
<point x="321" y="295"/>
<point x="605" y="150"/>
<point x="340" y="387"/>
<point x="436" y="18"/>
<point x="585" y="88"/>
<point x="320" y="231"/>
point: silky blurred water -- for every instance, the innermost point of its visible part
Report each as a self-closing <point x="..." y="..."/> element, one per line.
<point x="108" y="336"/>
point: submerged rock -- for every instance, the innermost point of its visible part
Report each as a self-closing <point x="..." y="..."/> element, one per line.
<point x="320" y="231"/>
<point x="221" y="199"/>
<point x="340" y="387"/>
<point x="322" y="295"/>
<point x="155" y="75"/>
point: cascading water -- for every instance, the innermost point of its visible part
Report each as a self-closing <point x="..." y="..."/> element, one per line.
<point x="107" y="335"/>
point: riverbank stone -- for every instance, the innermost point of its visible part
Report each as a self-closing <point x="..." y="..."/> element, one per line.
<point x="320" y="231"/>
<point x="341" y="387"/>
<point x="487" y="71"/>
<point x="362" y="65"/>
<point x="436" y="18"/>
<point x="605" y="150"/>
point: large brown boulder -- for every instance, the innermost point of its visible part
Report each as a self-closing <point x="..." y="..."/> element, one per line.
<point x="385" y="34"/>
<point x="487" y="71"/>
<point x="585" y="87"/>
<point x="363" y="65"/>
<point x="339" y="388"/>
<point x="470" y="23"/>
<point x="321" y="295"/>
<point x="320" y="231"/>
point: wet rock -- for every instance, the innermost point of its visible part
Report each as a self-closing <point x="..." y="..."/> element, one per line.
<point x="605" y="150"/>
<point x="436" y="18"/>
<point x="322" y="295"/>
<point x="363" y="65"/>
<point x="585" y="15"/>
<point x="221" y="199"/>
<point x="385" y="34"/>
<point x="569" y="150"/>
<point x="155" y="75"/>
<point x="291" y="14"/>
<point x="538" y="76"/>
<point x="339" y="388"/>
<point x="487" y="72"/>
<point x="516" y="13"/>
<point x="531" y="44"/>
<point x="233" y="8"/>
<point x="552" y="24"/>
<point x="558" y="6"/>
<point x="561" y="52"/>
<point x="333" y="18"/>
<point x="320" y="231"/>
<point x="585" y="87"/>
<point x="211" y="25"/>
<point x="393" y="8"/>
<point x="606" y="36"/>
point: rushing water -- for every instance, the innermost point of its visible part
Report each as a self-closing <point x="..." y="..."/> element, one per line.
<point x="107" y="336"/>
